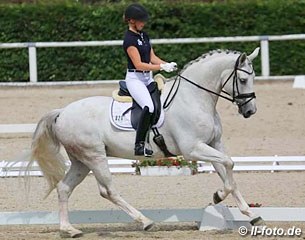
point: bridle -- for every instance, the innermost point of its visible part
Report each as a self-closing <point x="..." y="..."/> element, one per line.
<point x="235" y="86"/>
<point x="236" y="94"/>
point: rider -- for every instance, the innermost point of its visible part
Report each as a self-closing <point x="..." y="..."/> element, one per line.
<point x="141" y="61"/>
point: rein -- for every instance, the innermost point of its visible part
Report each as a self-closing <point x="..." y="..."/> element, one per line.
<point x="233" y="99"/>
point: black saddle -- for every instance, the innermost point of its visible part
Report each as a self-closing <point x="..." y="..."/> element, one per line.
<point x="136" y="110"/>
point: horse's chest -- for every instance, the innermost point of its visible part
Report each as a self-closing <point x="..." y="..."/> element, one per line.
<point x="208" y="131"/>
<point x="217" y="130"/>
<point x="213" y="131"/>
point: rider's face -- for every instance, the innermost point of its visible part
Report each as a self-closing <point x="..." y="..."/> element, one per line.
<point x="138" y="25"/>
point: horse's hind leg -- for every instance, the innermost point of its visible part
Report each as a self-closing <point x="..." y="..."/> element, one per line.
<point x="103" y="176"/>
<point x="76" y="174"/>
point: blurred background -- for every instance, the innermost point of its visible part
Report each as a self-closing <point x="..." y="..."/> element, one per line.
<point x="97" y="20"/>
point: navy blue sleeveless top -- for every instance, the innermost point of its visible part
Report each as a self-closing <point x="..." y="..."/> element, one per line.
<point x="139" y="40"/>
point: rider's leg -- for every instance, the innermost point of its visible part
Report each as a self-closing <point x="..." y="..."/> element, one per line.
<point x="143" y="126"/>
<point x="141" y="95"/>
<point x="137" y="87"/>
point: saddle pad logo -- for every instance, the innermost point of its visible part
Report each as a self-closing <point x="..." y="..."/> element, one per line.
<point x="122" y="120"/>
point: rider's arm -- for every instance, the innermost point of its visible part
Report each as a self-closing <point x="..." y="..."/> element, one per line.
<point x="154" y="59"/>
<point x="135" y="57"/>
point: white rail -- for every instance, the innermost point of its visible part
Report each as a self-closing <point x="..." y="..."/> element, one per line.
<point x="17" y="128"/>
<point x="256" y="163"/>
<point x="264" y="43"/>
<point x="117" y="165"/>
<point x="15" y="169"/>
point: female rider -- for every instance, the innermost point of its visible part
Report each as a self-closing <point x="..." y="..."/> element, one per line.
<point x="141" y="61"/>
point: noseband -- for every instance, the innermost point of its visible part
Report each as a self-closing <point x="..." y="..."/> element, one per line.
<point x="236" y="94"/>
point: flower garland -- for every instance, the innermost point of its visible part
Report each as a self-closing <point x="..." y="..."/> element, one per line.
<point x="178" y="162"/>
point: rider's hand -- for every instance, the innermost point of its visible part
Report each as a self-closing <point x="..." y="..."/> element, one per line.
<point x="174" y="65"/>
<point x="168" y="67"/>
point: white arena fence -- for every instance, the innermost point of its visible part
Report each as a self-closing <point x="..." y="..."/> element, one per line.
<point x="118" y="165"/>
<point x="264" y="44"/>
<point x="255" y="163"/>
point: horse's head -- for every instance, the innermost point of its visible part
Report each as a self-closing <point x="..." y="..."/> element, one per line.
<point x="239" y="84"/>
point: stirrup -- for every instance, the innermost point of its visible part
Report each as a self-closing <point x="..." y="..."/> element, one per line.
<point x="148" y="152"/>
<point x="141" y="150"/>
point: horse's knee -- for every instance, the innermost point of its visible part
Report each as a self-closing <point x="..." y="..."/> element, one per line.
<point x="228" y="163"/>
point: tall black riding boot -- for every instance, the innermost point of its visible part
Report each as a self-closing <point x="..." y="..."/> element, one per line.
<point x="143" y="127"/>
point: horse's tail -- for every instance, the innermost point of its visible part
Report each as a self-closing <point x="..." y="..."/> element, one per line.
<point x="46" y="150"/>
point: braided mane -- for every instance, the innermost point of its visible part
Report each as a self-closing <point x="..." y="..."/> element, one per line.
<point x="209" y="54"/>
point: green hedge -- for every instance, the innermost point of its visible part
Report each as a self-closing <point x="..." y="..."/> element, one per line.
<point x="79" y="22"/>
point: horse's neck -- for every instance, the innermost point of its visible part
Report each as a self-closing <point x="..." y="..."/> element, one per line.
<point x="206" y="74"/>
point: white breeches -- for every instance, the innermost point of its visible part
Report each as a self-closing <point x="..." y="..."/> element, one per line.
<point x="136" y="83"/>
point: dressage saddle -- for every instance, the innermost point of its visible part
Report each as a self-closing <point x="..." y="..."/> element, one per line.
<point x="136" y="110"/>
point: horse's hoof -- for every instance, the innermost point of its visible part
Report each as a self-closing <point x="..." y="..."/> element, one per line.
<point x="148" y="226"/>
<point x="71" y="233"/>
<point x="258" y="221"/>
<point x="216" y="198"/>
<point x="76" y="234"/>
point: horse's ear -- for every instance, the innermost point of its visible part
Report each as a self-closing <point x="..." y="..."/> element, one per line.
<point x="254" y="54"/>
<point x="242" y="58"/>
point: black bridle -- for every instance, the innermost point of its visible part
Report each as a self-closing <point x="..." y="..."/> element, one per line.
<point x="236" y="95"/>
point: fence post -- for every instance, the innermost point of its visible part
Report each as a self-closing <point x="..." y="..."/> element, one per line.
<point x="32" y="62"/>
<point x="275" y="163"/>
<point x="265" y="56"/>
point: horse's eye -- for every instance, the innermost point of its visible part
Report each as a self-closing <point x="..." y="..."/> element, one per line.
<point x="243" y="80"/>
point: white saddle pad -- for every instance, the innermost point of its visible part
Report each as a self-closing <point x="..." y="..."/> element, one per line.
<point x="124" y="122"/>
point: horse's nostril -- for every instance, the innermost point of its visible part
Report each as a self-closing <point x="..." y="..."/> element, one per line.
<point x="248" y="114"/>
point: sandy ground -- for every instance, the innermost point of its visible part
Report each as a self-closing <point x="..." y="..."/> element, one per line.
<point x="276" y="129"/>
<point x="133" y="232"/>
<point x="269" y="189"/>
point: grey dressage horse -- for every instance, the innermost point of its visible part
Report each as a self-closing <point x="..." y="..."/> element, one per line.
<point x="192" y="128"/>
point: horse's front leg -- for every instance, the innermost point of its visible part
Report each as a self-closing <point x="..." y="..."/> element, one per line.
<point x="203" y="152"/>
<point x="240" y="201"/>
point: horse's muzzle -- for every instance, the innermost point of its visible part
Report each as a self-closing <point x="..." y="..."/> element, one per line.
<point x="247" y="111"/>
<point x="248" y="114"/>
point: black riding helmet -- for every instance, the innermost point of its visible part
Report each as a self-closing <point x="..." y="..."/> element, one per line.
<point x="137" y="12"/>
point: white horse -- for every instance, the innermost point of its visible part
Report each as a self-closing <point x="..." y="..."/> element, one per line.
<point x="192" y="128"/>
